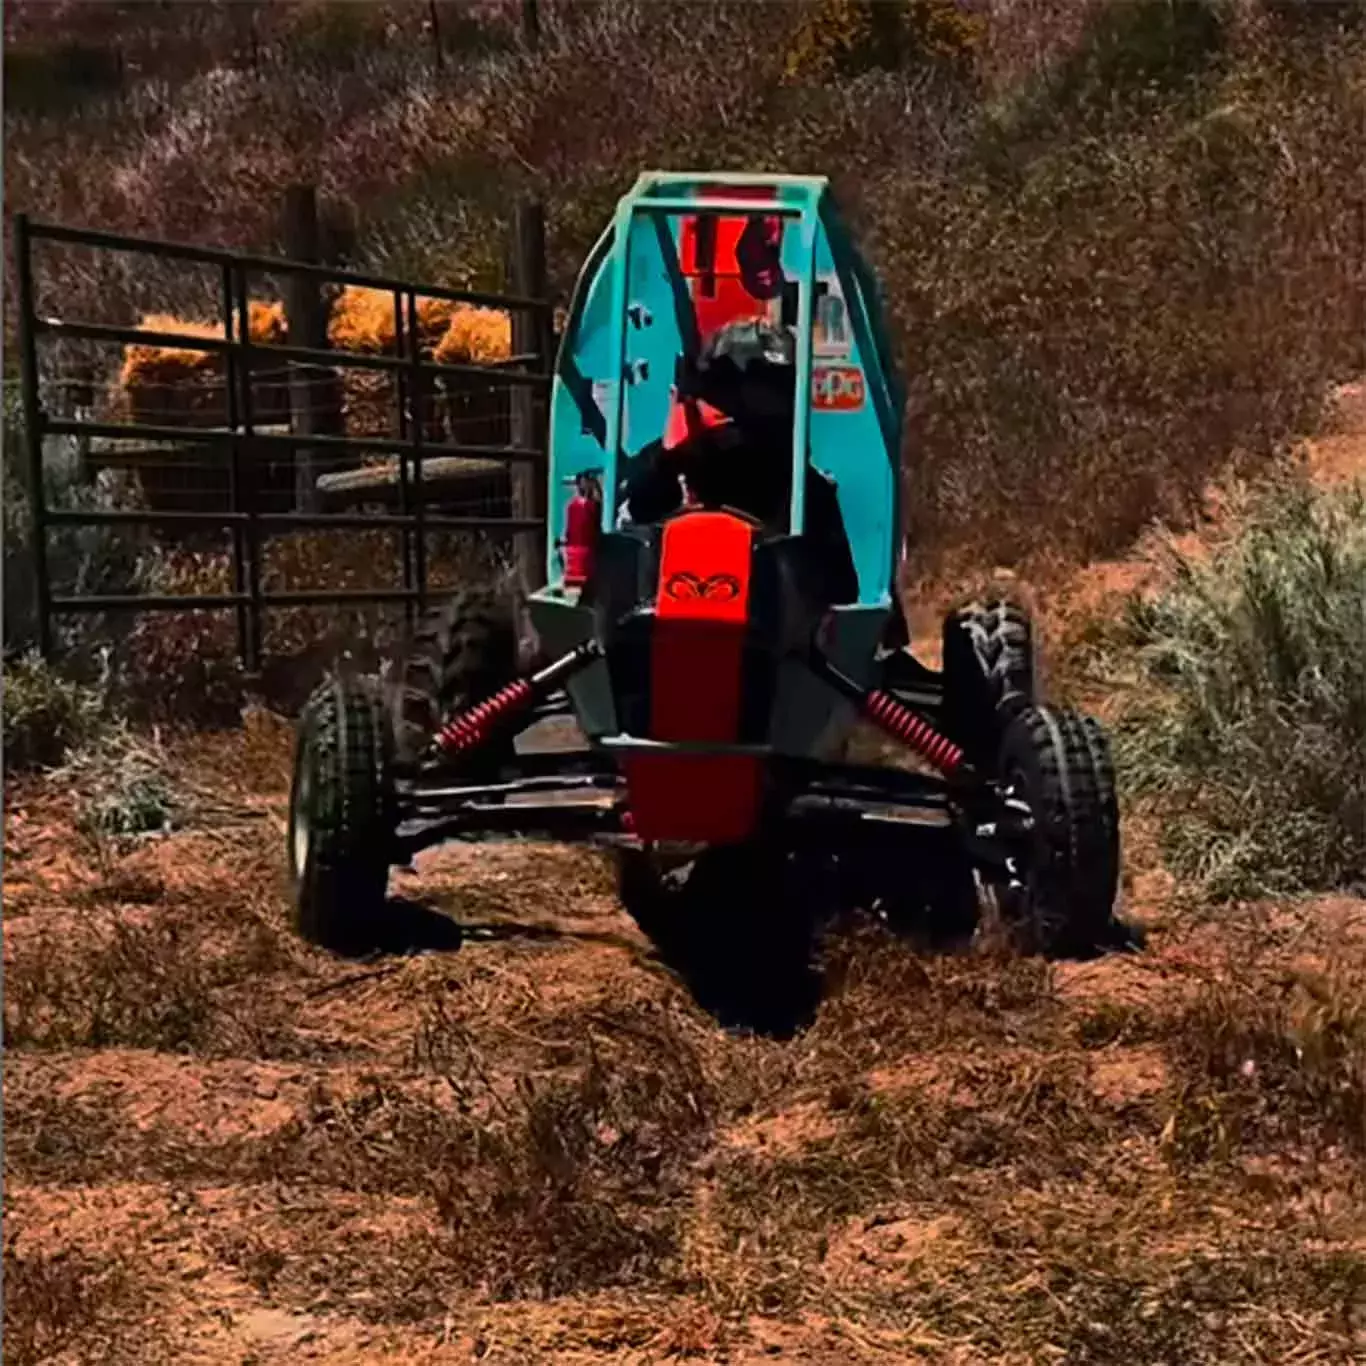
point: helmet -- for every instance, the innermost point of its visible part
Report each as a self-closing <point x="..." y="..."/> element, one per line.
<point x="745" y="374"/>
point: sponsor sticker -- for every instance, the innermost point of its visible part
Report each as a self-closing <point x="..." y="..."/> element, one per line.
<point x="837" y="388"/>
<point x="832" y="337"/>
<point x="684" y="587"/>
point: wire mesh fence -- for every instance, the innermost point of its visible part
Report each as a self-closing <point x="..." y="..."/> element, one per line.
<point x="266" y="489"/>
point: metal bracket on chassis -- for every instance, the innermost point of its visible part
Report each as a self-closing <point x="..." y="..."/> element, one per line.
<point x="578" y="794"/>
<point x="570" y="822"/>
<point x="555" y="794"/>
<point x="997" y="828"/>
<point x="993" y="826"/>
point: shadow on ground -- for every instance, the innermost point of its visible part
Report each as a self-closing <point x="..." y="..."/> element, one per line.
<point x="747" y="954"/>
<point x="415" y="927"/>
<point x="751" y="967"/>
<point x="742" y="944"/>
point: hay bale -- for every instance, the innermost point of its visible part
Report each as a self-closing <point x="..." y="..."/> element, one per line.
<point x="175" y="385"/>
<point x="362" y="320"/>
<point x="478" y="413"/>
<point x="449" y="334"/>
<point x="475" y="336"/>
<point x="171" y="385"/>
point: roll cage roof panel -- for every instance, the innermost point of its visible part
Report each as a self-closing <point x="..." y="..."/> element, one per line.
<point x="687" y="252"/>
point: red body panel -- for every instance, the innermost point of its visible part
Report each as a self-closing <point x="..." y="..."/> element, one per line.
<point x="719" y="292"/>
<point x="696" y="686"/>
<point x="694" y="798"/>
<point x="687" y="416"/>
<point x="700" y="617"/>
<point x="702" y="609"/>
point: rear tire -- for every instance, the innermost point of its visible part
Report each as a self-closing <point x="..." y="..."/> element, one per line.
<point x="1109" y="850"/>
<point x="342" y="816"/>
<point x="1059" y="762"/>
<point x="930" y="898"/>
<point x="459" y="654"/>
<point x="989" y="672"/>
<point x="738" y="924"/>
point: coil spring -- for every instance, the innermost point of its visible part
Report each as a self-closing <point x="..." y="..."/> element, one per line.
<point x="472" y="726"/>
<point x="903" y="724"/>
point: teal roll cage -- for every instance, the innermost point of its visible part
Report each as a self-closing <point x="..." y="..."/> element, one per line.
<point x="631" y="316"/>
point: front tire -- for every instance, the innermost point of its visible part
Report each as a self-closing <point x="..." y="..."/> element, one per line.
<point x="1063" y="899"/>
<point x="342" y="816"/>
<point x="459" y="654"/>
<point x="989" y="671"/>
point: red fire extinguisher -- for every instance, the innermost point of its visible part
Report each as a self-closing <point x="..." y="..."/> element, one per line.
<point x="582" y="523"/>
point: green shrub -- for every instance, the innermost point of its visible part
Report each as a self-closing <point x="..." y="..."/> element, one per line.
<point x="1257" y="737"/>
<point x="80" y="559"/>
<point x="46" y="716"/>
<point x="123" y="785"/>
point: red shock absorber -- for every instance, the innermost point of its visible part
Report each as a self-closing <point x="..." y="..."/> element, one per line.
<point x="900" y="722"/>
<point x="471" y="727"/>
<point x="893" y="716"/>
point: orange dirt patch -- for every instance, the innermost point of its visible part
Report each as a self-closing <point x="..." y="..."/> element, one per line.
<point x="798" y="1126"/>
<point x="887" y="1246"/>
<point x="1123" y="1076"/>
<point x="828" y="1199"/>
<point x="206" y="1101"/>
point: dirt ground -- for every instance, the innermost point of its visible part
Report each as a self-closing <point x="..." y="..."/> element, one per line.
<point x="531" y="1142"/>
<point x="535" y="1136"/>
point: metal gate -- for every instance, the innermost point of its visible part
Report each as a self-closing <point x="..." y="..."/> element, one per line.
<point x="237" y="444"/>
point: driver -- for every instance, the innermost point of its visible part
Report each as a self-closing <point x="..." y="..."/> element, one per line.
<point x="728" y="443"/>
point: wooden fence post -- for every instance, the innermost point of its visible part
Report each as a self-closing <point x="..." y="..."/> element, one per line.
<point x="434" y="20"/>
<point x="314" y="395"/>
<point x="531" y="24"/>
<point x="527" y="277"/>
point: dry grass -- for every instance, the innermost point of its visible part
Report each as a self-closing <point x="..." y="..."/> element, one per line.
<point x="185" y="667"/>
<point x="1117" y="241"/>
<point x="62" y="1303"/>
<point x="538" y="1145"/>
<point x="541" y="1141"/>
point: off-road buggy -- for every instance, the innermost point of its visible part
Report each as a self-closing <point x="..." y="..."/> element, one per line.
<point x="724" y="529"/>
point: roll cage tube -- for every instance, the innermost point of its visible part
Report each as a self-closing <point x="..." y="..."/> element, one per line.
<point x="671" y="208"/>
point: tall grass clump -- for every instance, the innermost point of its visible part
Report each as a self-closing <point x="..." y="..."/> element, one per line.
<point x="81" y="560"/>
<point x="46" y="716"/>
<point x="1255" y="736"/>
